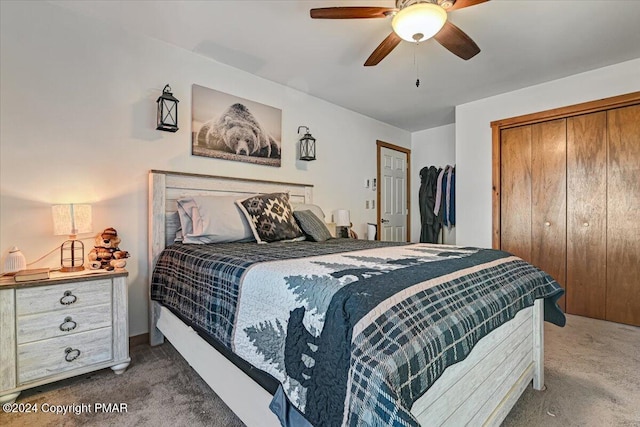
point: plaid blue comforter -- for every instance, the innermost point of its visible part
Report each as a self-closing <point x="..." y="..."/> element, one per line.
<point x="354" y="331"/>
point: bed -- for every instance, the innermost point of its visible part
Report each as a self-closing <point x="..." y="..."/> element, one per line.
<point x="486" y="371"/>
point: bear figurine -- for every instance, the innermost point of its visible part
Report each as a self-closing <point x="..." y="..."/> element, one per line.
<point x="106" y="254"/>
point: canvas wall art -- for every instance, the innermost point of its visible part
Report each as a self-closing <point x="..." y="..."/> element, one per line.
<point x="228" y="127"/>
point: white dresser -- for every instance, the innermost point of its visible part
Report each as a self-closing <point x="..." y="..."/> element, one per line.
<point x="61" y="327"/>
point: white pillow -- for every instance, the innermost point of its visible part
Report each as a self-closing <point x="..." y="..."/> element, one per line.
<point x="213" y="219"/>
<point x="186" y="209"/>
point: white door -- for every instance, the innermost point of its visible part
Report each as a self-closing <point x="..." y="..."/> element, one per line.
<point x="393" y="195"/>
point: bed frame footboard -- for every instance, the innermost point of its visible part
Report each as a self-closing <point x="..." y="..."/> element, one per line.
<point x="482" y="389"/>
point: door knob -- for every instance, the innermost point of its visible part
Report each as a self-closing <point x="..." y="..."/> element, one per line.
<point x="547" y="224"/>
<point x="384" y="220"/>
<point x="586" y="224"/>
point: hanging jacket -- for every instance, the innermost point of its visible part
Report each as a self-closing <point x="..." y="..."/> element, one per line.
<point x="430" y="222"/>
<point x="452" y="200"/>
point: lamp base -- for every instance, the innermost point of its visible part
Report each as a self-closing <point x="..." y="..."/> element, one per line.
<point x="71" y="269"/>
<point x="72" y="255"/>
<point x="342" y="231"/>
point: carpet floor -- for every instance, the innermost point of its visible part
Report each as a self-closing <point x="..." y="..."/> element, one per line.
<point x="592" y="376"/>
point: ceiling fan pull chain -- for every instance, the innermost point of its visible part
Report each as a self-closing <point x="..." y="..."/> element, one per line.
<point x="415" y="62"/>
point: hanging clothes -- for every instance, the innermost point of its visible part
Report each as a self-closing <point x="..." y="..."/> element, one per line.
<point x="430" y="221"/>
<point x="439" y="192"/>
<point x="451" y="213"/>
<point x="447" y="187"/>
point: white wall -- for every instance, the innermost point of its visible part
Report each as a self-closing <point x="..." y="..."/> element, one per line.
<point x="429" y="147"/>
<point x="77" y="124"/>
<point x="473" y="136"/>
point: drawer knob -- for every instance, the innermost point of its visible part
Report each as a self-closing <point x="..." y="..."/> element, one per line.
<point x="68" y="298"/>
<point x="68" y="324"/>
<point x="71" y="354"/>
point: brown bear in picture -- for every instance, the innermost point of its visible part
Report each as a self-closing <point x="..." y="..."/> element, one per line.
<point x="237" y="131"/>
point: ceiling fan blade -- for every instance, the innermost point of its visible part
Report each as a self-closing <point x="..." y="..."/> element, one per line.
<point x="383" y="49"/>
<point x="350" y="12"/>
<point x="456" y="41"/>
<point x="460" y="4"/>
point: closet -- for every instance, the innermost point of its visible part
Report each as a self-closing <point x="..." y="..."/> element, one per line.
<point x="566" y="197"/>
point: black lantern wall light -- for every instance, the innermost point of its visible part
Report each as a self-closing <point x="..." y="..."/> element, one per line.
<point x="167" y="111"/>
<point x="307" y="145"/>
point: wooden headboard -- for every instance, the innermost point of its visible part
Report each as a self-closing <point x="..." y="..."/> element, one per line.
<point x="166" y="187"/>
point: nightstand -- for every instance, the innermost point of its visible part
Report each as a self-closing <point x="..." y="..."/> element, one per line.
<point x="64" y="326"/>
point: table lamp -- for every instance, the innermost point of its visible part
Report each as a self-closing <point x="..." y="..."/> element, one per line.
<point x="71" y="220"/>
<point x="343" y="222"/>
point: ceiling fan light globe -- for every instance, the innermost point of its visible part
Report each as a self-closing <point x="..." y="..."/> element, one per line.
<point x="420" y="18"/>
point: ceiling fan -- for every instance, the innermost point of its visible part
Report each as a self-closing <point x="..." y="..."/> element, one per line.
<point x="413" y="21"/>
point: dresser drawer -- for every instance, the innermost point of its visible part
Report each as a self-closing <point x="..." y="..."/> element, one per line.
<point x="62" y="297"/>
<point x="41" y="359"/>
<point x="53" y="324"/>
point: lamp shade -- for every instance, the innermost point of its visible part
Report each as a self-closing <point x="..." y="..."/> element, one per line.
<point x="341" y="218"/>
<point x="419" y="21"/>
<point x="71" y="219"/>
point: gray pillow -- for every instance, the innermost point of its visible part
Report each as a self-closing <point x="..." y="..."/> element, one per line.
<point x="312" y="226"/>
<point x="270" y="217"/>
<point x="308" y="207"/>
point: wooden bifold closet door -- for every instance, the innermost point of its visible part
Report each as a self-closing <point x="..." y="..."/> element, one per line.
<point x="623" y="215"/>
<point x="587" y="214"/>
<point x="516" y="191"/>
<point x="549" y="196"/>
<point x="534" y="195"/>
<point x="567" y="199"/>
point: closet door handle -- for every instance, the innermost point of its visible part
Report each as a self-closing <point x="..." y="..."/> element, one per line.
<point x="586" y="224"/>
<point x="384" y="220"/>
<point x="547" y="224"/>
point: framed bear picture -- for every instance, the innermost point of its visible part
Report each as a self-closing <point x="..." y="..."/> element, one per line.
<point x="228" y="127"/>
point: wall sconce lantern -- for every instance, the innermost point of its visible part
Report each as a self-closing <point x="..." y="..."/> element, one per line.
<point x="167" y="111"/>
<point x="307" y="145"/>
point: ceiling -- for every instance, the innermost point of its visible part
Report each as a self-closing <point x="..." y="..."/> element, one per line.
<point x="523" y="43"/>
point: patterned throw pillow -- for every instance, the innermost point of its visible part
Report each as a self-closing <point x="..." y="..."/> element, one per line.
<point x="271" y="217"/>
<point x="312" y="226"/>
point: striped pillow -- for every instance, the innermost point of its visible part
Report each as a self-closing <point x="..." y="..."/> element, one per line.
<point x="313" y="227"/>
